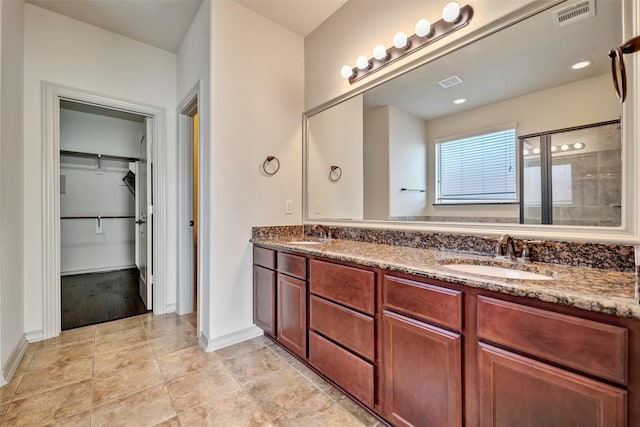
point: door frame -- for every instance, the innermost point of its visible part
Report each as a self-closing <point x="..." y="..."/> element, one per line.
<point x="191" y="102"/>
<point x="52" y="94"/>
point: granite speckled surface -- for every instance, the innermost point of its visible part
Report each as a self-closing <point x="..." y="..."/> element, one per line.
<point x="601" y="290"/>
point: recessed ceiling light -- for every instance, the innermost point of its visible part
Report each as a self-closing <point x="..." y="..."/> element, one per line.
<point x="578" y="145"/>
<point x="564" y="147"/>
<point x="460" y="101"/>
<point x="554" y="148"/>
<point x="581" y="64"/>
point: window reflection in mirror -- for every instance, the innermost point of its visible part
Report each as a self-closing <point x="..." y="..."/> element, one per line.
<point x="388" y="136"/>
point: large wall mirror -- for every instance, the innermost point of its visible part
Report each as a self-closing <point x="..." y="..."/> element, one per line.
<point x="521" y="126"/>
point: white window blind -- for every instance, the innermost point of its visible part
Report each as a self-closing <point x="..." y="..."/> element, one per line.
<point x="477" y="169"/>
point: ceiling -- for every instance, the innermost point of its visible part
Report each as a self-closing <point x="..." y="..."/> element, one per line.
<point x="164" y="23"/>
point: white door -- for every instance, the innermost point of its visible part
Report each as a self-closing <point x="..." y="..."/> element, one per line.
<point x="144" y="218"/>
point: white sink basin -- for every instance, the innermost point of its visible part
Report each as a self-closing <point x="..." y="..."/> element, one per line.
<point x="304" y="242"/>
<point x="500" y="272"/>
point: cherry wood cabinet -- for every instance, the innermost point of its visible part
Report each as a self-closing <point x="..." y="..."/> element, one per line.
<point x="422" y="370"/>
<point x="264" y="299"/>
<point x="292" y="314"/>
<point x="519" y="391"/>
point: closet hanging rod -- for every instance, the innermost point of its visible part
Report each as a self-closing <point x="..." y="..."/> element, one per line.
<point x="96" y="156"/>
<point x="98" y="217"/>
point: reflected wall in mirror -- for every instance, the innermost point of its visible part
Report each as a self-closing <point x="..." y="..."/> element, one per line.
<point x="390" y="140"/>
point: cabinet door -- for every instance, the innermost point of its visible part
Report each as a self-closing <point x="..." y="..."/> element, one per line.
<point x="518" y="391"/>
<point x="422" y="369"/>
<point x="292" y="314"/>
<point x="264" y="299"/>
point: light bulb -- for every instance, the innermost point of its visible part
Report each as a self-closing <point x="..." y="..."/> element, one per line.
<point x="565" y="147"/>
<point x="578" y="145"/>
<point x="554" y="148"/>
<point x="346" y="71"/>
<point x="451" y="12"/>
<point x="400" y="40"/>
<point x="379" y="52"/>
<point x="423" y="28"/>
<point x="525" y="152"/>
<point x="536" y="151"/>
<point x="362" y="62"/>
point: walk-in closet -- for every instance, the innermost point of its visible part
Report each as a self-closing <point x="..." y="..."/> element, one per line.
<point x="104" y="219"/>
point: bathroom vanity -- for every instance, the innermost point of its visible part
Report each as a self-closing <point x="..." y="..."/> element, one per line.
<point x="419" y="343"/>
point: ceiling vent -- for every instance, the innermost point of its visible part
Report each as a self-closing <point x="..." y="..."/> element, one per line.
<point x="450" y="82"/>
<point x="573" y="13"/>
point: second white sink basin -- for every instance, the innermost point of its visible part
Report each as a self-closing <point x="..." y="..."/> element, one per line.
<point x="499" y="272"/>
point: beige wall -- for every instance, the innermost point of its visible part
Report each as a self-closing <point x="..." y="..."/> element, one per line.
<point x="376" y="164"/>
<point x="357" y="26"/>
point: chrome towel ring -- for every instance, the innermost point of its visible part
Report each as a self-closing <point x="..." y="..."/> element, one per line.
<point x="271" y="165"/>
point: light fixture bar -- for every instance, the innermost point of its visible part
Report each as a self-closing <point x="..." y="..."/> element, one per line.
<point x="439" y="29"/>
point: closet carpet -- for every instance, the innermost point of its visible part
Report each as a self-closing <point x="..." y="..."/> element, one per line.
<point x="99" y="297"/>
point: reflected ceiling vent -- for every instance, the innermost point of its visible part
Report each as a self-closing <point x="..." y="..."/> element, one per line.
<point x="573" y="13"/>
<point x="450" y="82"/>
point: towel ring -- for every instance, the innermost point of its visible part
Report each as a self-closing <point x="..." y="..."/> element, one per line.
<point x="619" y="83"/>
<point x="268" y="161"/>
<point x="335" y="173"/>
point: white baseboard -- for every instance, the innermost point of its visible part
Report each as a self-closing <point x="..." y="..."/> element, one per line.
<point x="171" y="308"/>
<point x="229" y="339"/>
<point x="33" y="336"/>
<point x="14" y="360"/>
<point x="97" y="270"/>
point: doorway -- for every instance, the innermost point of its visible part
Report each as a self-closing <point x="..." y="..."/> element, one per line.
<point x="104" y="228"/>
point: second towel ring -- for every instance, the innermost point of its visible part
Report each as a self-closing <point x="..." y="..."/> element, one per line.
<point x="268" y="161"/>
<point x="335" y="173"/>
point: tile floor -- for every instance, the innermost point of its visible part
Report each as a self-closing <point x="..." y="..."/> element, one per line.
<point x="148" y="371"/>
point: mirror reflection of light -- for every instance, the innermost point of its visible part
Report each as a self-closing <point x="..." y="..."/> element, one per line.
<point x="525" y="152"/>
<point x="554" y="149"/>
<point x="578" y="145"/>
<point x="565" y="147"/>
<point x="536" y="151"/>
<point x="460" y="101"/>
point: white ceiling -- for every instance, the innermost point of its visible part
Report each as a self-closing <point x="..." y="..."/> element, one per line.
<point x="164" y="23"/>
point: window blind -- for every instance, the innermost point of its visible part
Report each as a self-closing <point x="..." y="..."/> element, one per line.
<point x="477" y="169"/>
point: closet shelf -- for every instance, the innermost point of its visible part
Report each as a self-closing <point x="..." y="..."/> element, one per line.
<point x="97" y="156"/>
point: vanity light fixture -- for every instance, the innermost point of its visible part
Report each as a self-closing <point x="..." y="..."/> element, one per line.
<point x="460" y="101"/>
<point x="564" y="147"/>
<point x="536" y="150"/>
<point x="454" y="17"/>
<point x="556" y="148"/>
<point x="580" y="65"/>
<point x="578" y="145"/>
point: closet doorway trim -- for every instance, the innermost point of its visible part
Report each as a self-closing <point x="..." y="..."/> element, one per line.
<point x="52" y="94"/>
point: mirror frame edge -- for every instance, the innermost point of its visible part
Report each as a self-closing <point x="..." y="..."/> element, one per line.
<point x="627" y="234"/>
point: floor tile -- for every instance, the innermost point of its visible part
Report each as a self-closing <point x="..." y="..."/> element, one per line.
<point x="243" y="347"/>
<point x="51" y="377"/>
<point x="8" y="390"/>
<point x="50" y="406"/>
<point x="182" y="362"/>
<point x="284" y="354"/>
<point x="118" y="326"/>
<point x="319" y="411"/>
<point x="70" y="337"/>
<point x="120" y="340"/>
<point x="63" y="353"/>
<point x="160" y="328"/>
<point x="3" y="410"/>
<point x="235" y="410"/>
<point x="106" y="363"/>
<point x="26" y="358"/>
<point x="202" y="386"/>
<point x="125" y="381"/>
<point x="306" y="372"/>
<point x="173" y="422"/>
<point x="254" y="365"/>
<point x="144" y="408"/>
<point x="82" y="419"/>
<point x="353" y="408"/>
<point x="170" y="343"/>
<point x="280" y="391"/>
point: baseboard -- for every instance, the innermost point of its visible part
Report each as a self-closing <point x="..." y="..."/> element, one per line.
<point x="14" y="360"/>
<point x="97" y="270"/>
<point x="171" y="308"/>
<point x="229" y="339"/>
<point x="33" y="336"/>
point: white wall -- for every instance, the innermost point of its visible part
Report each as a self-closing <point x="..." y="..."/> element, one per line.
<point x="335" y="139"/>
<point x="407" y="163"/>
<point x="257" y="97"/>
<point x="87" y="192"/>
<point x="67" y="52"/>
<point x="11" y="185"/>
<point x="376" y="163"/>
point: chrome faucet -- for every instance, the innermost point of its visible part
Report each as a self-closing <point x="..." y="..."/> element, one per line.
<point x="325" y="231"/>
<point x="505" y="248"/>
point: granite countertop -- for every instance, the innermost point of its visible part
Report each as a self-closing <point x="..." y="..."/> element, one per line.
<point x="605" y="291"/>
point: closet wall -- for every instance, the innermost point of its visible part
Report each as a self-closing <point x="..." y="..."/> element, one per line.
<point x="89" y="192"/>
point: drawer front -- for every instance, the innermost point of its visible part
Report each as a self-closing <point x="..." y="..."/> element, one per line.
<point x="591" y="347"/>
<point x="264" y="257"/>
<point x="347" y="327"/>
<point x="293" y="265"/>
<point x="423" y="301"/>
<point x="350" y="372"/>
<point x="349" y="286"/>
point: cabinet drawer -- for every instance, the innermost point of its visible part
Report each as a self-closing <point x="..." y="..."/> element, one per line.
<point x="591" y="347"/>
<point x="347" y="327"/>
<point x="264" y="257"/>
<point x="293" y="265"/>
<point x="423" y="301"/>
<point x="349" y="286"/>
<point x="344" y="368"/>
